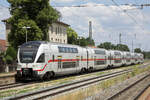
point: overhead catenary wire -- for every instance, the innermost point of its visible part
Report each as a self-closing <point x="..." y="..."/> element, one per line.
<point x="132" y="18"/>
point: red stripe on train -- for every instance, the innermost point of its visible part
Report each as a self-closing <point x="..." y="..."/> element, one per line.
<point x="64" y="60"/>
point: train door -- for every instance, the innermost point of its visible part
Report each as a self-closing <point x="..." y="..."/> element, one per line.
<point x="46" y="55"/>
<point x="70" y="63"/>
<point x="59" y="64"/>
<point x="110" y="58"/>
<point x="87" y="58"/>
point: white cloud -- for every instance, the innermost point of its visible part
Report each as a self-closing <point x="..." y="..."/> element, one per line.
<point x="108" y="22"/>
<point x="4" y="14"/>
<point x="63" y="1"/>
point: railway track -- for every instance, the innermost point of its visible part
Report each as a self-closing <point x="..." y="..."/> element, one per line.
<point x="55" y="90"/>
<point x="133" y="91"/>
<point x="8" y="76"/>
<point x="15" y="85"/>
<point x="140" y="94"/>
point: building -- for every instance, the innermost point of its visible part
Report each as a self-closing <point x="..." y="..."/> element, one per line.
<point x="57" y="32"/>
<point x="2" y="45"/>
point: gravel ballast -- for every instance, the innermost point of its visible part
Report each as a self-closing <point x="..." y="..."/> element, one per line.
<point x="107" y="93"/>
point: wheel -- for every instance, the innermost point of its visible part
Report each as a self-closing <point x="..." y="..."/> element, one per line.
<point x="83" y="70"/>
<point x="48" y="76"/>
<point x="108" y="67"/>
<point x="90" y="69"/>
<point x="17" y="78"/>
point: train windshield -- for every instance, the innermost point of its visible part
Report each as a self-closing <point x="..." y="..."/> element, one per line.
<point x="27" y="57"/>
<point x="28" y="52"/>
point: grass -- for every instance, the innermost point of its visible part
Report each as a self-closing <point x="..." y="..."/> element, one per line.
<point x="16" y="91"/>
<point x="7" y="74"/>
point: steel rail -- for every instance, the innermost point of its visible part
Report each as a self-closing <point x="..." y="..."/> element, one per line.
<point x="127" y="88"/>
<point x="95" y="79"/>
<point x="138" y="95"/>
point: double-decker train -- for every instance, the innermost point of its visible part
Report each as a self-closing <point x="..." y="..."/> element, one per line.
<point x="43" y="60"/>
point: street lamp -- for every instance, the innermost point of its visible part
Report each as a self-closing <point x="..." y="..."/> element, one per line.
<point x="26" y="32"/>
<point x="79" y="37"/>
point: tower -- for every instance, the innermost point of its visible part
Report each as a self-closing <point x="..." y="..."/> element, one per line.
<point x="90" y="30"/>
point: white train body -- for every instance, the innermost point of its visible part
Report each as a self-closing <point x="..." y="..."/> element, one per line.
<point x="115" y="58"/>
<point x="38" y="59"/>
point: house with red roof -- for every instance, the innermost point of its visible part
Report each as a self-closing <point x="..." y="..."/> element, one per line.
<point x="2" y="45"/>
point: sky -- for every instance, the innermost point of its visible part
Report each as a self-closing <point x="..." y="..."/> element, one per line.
<point x="108" y="20"/>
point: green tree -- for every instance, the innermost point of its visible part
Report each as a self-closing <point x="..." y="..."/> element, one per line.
<point x="72" y="36"/>
<point x="82" y="41"/>
<point x="122" y="47"/>
<point x="109" y="45"/>
<point x="106" y="45"/>
<point x="37" y="14"/>
<point x="146" y="54"/>
<point x="90" y="41"/>
<point x="137" y="50"/>
<point x="10" y="55"/>
<point x="18" y="36"/>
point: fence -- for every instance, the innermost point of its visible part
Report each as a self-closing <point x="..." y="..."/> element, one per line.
<point x="8" y="68"/>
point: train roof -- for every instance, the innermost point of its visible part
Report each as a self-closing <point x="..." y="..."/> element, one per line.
<point x="95" y="48"/>
<point x="37" y="43"/>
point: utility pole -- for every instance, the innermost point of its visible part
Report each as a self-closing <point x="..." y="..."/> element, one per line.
<point x="132" y="45"/>
<point x="134" y="38"/>
<point x="120" y="38"/>
<point x="26" y="32"/>
<point x="119" y="45"/>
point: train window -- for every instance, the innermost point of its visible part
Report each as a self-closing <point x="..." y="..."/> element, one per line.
<point x="100" y="62"/>
<point x="128" y="54"/>
<point x="117" y="61"/>
<point x="76" y="50"/>
<point x="72" y="50"/>
<point x="117" y="53"/>
<point x="41" y="58"/>
<point x="27" y="57"/>
<point x="102" y="52"/>
<point x="67" y="50"/>
<point x="69" y="64"/>
<point x="61" y="49"/>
